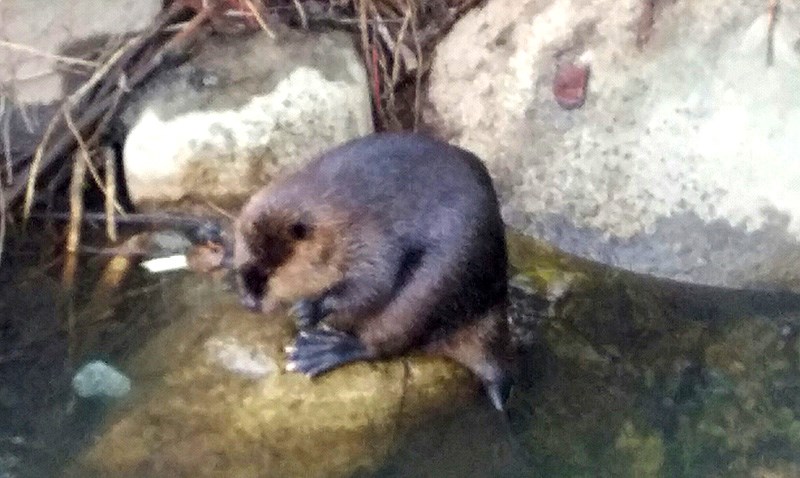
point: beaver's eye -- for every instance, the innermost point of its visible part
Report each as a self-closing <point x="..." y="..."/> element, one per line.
<point x="299" y="231"/>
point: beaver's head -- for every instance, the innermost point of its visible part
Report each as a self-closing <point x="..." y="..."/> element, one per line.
<point x="286" y="248"/>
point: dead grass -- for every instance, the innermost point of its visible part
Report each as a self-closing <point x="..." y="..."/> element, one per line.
<point x="396" y="38"/>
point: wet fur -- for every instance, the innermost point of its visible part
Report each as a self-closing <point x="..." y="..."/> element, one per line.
<point x="394" y="239"/>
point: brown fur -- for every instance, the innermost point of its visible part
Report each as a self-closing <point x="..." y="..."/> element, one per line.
<point x="297" y="268"/>
<point x="398" y="256"/>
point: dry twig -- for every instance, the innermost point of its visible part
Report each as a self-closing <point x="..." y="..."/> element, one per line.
<point x="302" y="14"/>
<point x="774" y="9"/>
<point x="35" y="51"/>
<point x="76" y="204"/>
<point x="104" y="101"/>
<point x="3" y="219"/>
<point x="33" y="170"/>
<point x="86" y="157"/>
<point x="259" y="18"/>
<point x="398" y="58"/>
<point x="392" y="30"/>
<point x="223" y="212"/>
<point x="102" y="72"/>
<point x="418" y="78"/>
<point x="365" y="46"/>
<point x="111" y="195"/>
<point x="6" y="116"/>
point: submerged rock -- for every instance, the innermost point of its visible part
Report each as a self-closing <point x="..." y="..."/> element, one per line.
<point x="98" y="379"/>
<point x="246" y="361"/>
<point x="240" y="112"/>
<point x="682" y="161"/>
<point x="193" y="417"/>
<point x="633" y="376"/>
<point x="619" y="375"/>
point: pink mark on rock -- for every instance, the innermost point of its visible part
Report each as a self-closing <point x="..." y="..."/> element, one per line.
<point x="569" y="85"/>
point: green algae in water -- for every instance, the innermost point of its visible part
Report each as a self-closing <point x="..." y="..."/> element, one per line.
<point x="624" y="376"/>
<point x="654" y="378"/>
<point x="644" y="452"/>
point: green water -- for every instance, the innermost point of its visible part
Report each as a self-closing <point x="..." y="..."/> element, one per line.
<point x="618" y="375"/>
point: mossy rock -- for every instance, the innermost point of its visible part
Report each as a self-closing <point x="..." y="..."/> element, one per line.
<point x="624" y="375"/>
<point x="190" y="416"/>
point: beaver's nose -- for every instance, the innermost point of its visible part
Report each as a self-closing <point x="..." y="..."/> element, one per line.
<point x="252" y="286"/>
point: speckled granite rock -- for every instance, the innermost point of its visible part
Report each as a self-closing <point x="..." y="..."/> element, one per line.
<point x="682" y="162"/>
<point x="240" y="112"/>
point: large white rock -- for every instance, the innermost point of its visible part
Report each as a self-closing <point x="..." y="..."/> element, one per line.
<point x="242" y="111"/>
<point x="684" y="162"/>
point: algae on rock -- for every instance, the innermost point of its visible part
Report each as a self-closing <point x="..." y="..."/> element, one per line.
<point x="192" y="416"/>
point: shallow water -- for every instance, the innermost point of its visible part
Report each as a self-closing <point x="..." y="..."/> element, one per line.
<point x="52" y="322"/>
<point x="619" y="375"/>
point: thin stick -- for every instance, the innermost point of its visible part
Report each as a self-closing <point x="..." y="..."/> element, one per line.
<point x="352" y="21"/>
<point x="33" y="171"/>
<point x="99" y="127"/>
<point x="86" y="157"/>
<point x="774" y="7"/>
<point x="7" y="139"/>
<point x="259" y="18"/>
<point x="26" y="118"/>
<point x="302" y="13"/>
<point x="379" y="66"/>
<point x="418" y="79"/>
<point x="66" y="142"/>
<point x="34" y="51"/>
<point x="365" y="46"/>
<point x="76" y="204"/>
<point x="182" y="40"/>
<point x="397" y="57"/>
<point x="84" y="150"/>
<point x="139" y="44"/>
<point x="155" y="219"/>
<point x="3" y="219"/>
<point x="376" y="81"/>
<point x="101" y="72"/>
<point x="110" y="195"/>
<point x="220" y="210"/>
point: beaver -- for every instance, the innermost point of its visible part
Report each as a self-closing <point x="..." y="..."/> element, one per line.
<point x="385" y="244"/>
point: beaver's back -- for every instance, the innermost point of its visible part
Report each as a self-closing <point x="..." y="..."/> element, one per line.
<point x="410" y="182"/>
<point x="431" y="198"/>
<point x="396" y="242"/>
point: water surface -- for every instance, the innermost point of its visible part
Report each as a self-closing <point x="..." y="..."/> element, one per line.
<point x="619" y="375"/>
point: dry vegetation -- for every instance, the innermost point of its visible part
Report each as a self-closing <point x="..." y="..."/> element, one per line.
<point x="396" y="38"/>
